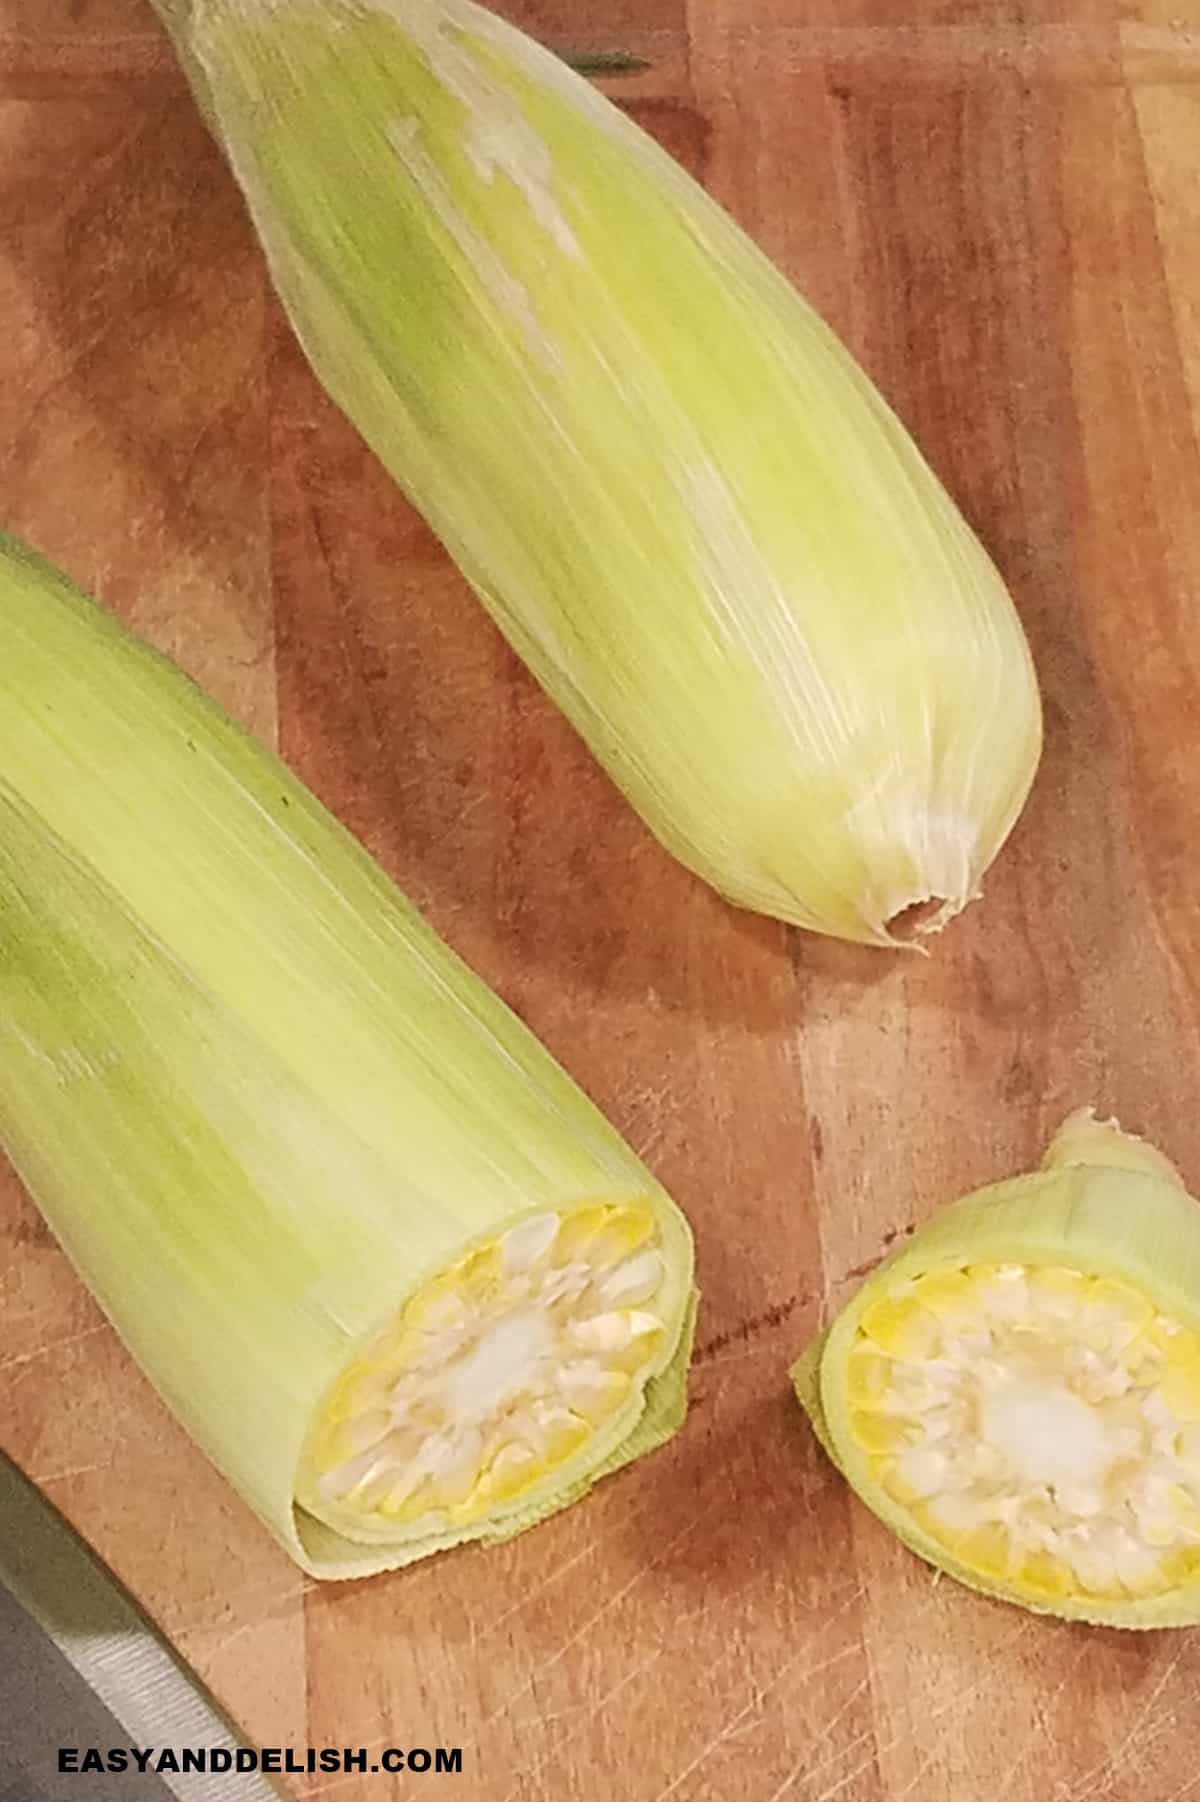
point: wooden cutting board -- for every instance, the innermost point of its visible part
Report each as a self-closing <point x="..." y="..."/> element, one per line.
<point x="997" y="205"/>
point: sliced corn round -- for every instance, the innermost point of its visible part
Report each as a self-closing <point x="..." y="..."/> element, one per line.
<point x="1016" y="1393"/>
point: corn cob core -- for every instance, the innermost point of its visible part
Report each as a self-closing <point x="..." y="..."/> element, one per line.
<point x="496" y="1372"/>
<point x="1017" y="1392"/>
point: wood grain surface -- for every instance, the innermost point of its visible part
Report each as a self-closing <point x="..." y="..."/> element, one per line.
<point x="996" y="203"/>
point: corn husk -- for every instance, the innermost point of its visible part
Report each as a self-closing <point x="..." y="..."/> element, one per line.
<point x="676" y="493"/>
<point x="255" y="1096"/>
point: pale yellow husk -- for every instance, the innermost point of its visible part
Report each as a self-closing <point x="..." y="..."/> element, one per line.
<point x="258" y="1100"/>
<point x="1016" y="1392"/>
<point x="674" y="490"/>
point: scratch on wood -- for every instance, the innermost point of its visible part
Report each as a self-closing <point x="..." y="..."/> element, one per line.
<point x="548" y="1664"/>
<point x="224" y="1643"/>
<point x="195" y="1618"/>
<point x="827" y="1795"/>
<point x="478" y="1633"/>
<point x="760" y="1694"/>
<point x="52" y="1345"/>
<point x="1041" y="1720"/>
<point x="541" y="1719"/>
<point x="1189" y="1786"/>
<point x="804" y="1769"/>
<point x="740" y="1357"/>
<point x="591" y="1709"/>
<point x="524" y="1601"/>
<point x="925" y="1765"/>
<point x="60" y="1476"/>
<point x="1088" y="1786"/>
<point x="772" y="1316"/>
<point x="778" y="1313"/>
<point x="606" y="1607"/>
<point x="860" y="1689"/>
<point x="858" y="1271"/>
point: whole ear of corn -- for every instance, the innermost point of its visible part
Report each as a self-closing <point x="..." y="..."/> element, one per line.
<point x="1016" y="1393"/>
<point x="391" y="1269"/>
<point x="678" y="496"/>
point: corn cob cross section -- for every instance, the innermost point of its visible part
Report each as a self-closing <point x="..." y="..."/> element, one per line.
<point x="1016" y="1393"/>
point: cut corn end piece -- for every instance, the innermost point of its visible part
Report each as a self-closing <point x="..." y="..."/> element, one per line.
<point x="1016" y="1392"/>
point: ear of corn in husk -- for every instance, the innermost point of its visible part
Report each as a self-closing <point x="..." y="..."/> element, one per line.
<point x="1016" y="1392"/>
<point x="390" y="1268"/>
<point x="678" y="496"/>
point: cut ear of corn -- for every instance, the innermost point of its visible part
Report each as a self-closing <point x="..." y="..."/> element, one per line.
<point x="387" y="1264"/>
<point x="1016" y="1393"/>
<point x="679" y="497"/>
